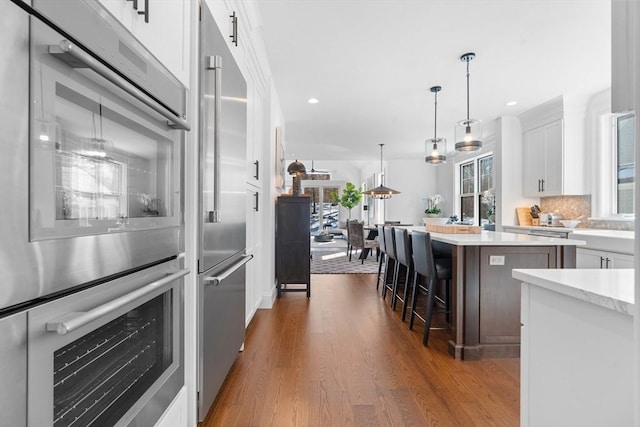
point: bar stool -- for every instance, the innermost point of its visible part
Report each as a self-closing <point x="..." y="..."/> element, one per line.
<point x="433" y="270"/>
<point x="404" y="258"/>
<point x="383" y="253"/>
<point x="390" y="263"/>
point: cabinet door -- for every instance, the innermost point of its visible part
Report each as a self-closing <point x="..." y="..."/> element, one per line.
<point x="617" y="260"/>
<point x="589" y="258"/>
<point x="553" y="159"/>
<point x="534" y="164"/>
<point x="624" y="50"/>
<point x="166" y="34"/>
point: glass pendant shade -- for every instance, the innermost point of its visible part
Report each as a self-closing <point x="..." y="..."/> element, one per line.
<point x="381" y="192"/>
<point x="468" y="132"/>
<point x="467" y="135"/>
<point x="436" y="149"/>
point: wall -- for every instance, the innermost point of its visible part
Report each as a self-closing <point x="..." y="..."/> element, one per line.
<point x="416" y="180"/>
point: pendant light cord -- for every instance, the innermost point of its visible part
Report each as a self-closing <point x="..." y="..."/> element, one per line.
<point x="468" y="59"/>
<point x="381" y="174"/>
<point x="435" y="116"/>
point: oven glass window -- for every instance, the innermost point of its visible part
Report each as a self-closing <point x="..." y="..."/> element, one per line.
<point x="99" y="164"/>
<point x="99" y="377"/>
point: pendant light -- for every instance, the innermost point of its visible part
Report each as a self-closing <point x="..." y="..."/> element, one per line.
<point x="468" y="132"/>
<point x="437" y="154"/>
<point x="381" y="192"/>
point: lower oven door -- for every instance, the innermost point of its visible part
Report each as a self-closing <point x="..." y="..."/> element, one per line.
<point x="109" y="355"/>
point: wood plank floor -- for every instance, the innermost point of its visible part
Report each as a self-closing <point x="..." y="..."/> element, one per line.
<point x="344" y="358"/>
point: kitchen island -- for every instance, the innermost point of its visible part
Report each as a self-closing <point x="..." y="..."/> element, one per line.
<point x="577" y="347"/>
<point x="485" y="299"/>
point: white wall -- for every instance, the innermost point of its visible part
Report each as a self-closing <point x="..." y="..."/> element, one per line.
<point x="415" y="180"/>
<point x="508" y="171"/>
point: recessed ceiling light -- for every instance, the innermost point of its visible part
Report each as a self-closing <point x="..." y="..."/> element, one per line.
<point x="512" y="103"/>
<point x="313" y="101"/>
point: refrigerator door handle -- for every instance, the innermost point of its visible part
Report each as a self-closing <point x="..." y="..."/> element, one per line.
<point x="215" y="280"/>
<point x="214" y="63"/>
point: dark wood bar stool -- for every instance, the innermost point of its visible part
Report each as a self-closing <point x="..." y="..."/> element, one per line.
<point x="405" y="259"/>
<point x="391" y="263"/>
<point x="383" y="253"/>
<point x="433" y="270"/>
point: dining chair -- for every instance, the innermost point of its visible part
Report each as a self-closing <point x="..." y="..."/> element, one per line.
<point x="432" y="270"/>
<point x="357" y="240"/>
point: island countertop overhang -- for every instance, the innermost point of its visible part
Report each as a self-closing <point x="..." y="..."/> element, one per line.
<point x="609" y="288"/>
<point x="498" y="238"/>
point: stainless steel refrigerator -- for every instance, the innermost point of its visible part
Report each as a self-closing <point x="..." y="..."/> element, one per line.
<point x="222" y="226"/>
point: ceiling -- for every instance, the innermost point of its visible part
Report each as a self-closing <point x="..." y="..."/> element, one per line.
<point x="371" y="63"/>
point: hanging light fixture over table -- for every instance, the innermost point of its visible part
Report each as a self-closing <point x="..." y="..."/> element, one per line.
<point x="468" y="132"/>
<point x="381" y="192"/>
<point x="437" y="154"/>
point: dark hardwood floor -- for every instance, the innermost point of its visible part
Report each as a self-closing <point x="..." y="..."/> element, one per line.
<point x="343" y="358"/>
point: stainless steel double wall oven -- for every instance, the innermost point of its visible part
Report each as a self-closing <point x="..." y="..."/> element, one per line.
<point x="92" y="131"/>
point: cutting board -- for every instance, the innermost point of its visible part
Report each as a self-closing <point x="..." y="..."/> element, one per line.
<point x="524" y="216"/>
<point x="453" y="229"/>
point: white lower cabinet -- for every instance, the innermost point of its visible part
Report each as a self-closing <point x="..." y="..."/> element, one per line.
<point x="592" y="258"/>
<point x="176" y="413"/>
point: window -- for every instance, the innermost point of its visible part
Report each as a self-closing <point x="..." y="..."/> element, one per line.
<point x="625" y="163"/>
<point x="475" y="187"/>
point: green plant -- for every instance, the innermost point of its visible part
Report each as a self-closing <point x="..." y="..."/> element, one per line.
<point x="433" y="211"/>
<point x="351" y="196"/>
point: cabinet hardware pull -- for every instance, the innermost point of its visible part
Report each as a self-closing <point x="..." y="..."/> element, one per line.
<point x="256" y="195"/>
<point x="601" y="260"/>
<point x="234" y="28"/>
<point x="135" y="4"/>
<point x="542" y="185"/>
<point x="68" y="323"/>
<point x="257" y="163"/>
<point x="145" y="12"/>
<point x="608" y="262"/>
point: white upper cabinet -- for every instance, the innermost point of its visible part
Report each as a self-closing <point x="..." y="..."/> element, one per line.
<point x="162" y="26"/>
<point x="554" y="149"/>
<point x="624" y="52"/>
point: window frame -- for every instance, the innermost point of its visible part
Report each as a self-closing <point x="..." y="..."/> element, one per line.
<point x="476" y="195"/>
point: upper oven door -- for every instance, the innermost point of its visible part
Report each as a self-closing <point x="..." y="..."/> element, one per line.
<point x="101" y="162"/>
<point x="94" y="183"/>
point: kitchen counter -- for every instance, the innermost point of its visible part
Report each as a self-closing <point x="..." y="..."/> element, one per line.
<point x="577" y="347"/>
<point x="612" y="289"/>
<point x="497" y="238"/>
<point x="485" y="298"/>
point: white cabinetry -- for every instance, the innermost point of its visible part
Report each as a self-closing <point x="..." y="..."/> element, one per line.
<point x="575" y="358"/>
<point x="590" y="258"/>
<point x="554" y="147"/>
<point x="543" y="156"/>
<point x="166" y="34"/>
<point x="625" y="34"/>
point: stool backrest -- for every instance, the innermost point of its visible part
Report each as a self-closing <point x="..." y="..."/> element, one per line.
<point x="390" y="242"/>
<point x="403" y="246"/>
<point x="423" y="261"/>
<point x="381" y="239"/>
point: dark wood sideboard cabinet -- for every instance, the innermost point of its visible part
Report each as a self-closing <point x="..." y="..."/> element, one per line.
<point x="293" y="245"/>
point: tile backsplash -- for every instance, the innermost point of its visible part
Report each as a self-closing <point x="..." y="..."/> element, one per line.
<point x="579" y="207"/>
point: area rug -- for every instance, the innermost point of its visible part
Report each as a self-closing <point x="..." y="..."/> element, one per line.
<point x="336" y="261"/>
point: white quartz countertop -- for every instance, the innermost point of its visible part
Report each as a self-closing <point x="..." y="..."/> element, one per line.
<point x="612" y="288"/>
<point x="496" y="238"/>
<point x="541" y="228"/>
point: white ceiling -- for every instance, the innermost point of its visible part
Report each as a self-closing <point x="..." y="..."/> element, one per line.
<point x="371" y="64"/>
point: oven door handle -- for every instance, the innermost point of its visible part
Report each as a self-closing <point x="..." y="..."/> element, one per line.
<point x="81" y="59"/>
<point x="70" y="322"/>
<point x="215" y="280"/>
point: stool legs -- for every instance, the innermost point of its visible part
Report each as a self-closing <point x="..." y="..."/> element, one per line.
<point x="380" y="262"/>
